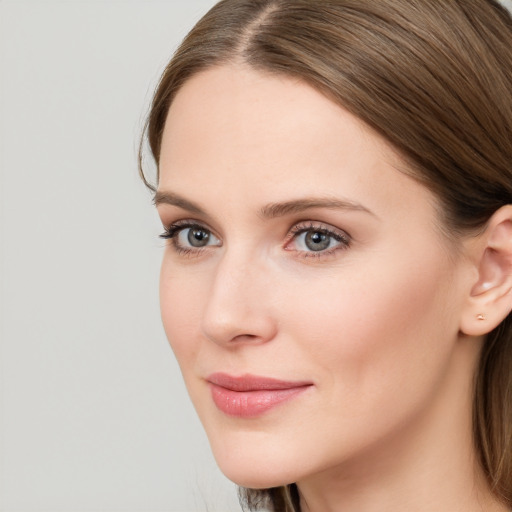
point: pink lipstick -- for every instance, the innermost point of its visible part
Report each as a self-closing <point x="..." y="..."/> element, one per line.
<point x="249" y="395"/>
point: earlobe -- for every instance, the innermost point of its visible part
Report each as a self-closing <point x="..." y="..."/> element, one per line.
<point x="490" y="299"/>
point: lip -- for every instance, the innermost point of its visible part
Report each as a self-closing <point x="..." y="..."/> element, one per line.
<point x="249" y="396"/>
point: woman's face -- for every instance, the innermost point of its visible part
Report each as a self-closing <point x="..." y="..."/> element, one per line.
<point x="306" y="289"/>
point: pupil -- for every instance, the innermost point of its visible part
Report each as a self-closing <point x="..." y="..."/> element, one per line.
<point x="198" y="237"/>
<point x="317" y="241"/>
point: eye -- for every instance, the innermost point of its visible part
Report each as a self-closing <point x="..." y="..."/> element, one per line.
<point x="316" y="240"/>
<point x="195" y="237"/>
<point x="189" y="237"/>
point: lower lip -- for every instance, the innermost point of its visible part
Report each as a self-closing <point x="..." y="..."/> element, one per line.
<point x="249" y="404"/>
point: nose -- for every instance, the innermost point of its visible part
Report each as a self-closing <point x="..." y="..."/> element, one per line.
<point x="239" y="306"/>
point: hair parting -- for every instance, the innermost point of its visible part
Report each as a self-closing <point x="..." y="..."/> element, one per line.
<point x="434" y="79"/>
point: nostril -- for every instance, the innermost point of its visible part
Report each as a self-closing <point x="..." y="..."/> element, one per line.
<point x="245" y="337"/>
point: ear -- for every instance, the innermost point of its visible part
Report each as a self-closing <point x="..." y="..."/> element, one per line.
<point x="490" y="300"/>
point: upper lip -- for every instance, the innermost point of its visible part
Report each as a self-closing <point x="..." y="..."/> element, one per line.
<point x="249" y="382"/>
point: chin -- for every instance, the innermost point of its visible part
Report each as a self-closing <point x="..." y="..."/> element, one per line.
<point x="253" y="467"/>
<point x="263" y="478"/>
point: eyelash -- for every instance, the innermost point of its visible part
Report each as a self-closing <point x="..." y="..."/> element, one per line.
<point x="341" y="237"/>
<point x="171" y="233"/>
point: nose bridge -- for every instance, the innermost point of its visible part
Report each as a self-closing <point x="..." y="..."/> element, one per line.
<point x="238" y="308"/>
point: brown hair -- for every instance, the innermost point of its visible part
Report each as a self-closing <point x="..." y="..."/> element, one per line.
<point x="434" y="78"/>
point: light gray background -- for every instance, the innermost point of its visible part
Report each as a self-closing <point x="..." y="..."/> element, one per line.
<point x="93" y="413"/>
<point x="94" y="416"/>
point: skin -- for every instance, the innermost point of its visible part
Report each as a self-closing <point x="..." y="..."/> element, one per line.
<point x="374" y="324"/>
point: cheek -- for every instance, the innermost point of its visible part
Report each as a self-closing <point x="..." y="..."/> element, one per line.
<point x="181" y="310"/>
<point x="376" y="329"/>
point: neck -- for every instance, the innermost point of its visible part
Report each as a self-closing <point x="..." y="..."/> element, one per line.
<point x="429" y="464"/>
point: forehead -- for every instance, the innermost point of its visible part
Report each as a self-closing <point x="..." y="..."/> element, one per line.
<point x="236" y="133"/>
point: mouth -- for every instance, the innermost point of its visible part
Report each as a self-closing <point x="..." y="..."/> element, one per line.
<point x="249" y="396"/>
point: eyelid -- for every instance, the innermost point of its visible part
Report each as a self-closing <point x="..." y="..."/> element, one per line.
<point x="311" y="225"/>
<point x="337" y="234"/>
<point x="341" y="236"/>
<point x="172" y="234"/>
<point x="175" y="226"/>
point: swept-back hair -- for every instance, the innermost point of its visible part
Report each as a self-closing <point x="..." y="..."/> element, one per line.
<point x="434" y="78"/>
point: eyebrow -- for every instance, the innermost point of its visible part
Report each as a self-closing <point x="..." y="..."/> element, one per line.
<point x="274" y="210"/>
<point x="269" y="211"/>
<point x="176" y="200"/>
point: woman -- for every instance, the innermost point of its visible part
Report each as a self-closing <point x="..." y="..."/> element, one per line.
<point x="335" y="183"/>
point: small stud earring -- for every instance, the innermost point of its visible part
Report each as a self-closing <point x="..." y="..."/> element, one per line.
<point x="481" y="316"/>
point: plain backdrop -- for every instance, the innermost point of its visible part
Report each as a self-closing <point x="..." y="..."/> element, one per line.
<point x="93" y="414"/>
